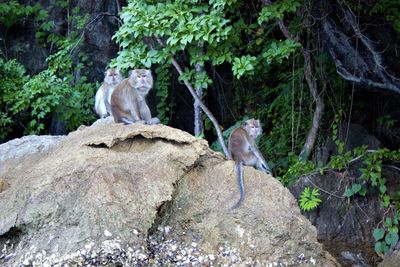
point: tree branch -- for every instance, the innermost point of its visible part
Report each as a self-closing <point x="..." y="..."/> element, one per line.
<point x="202" y="105"/>
<point x="319" y="103"/>
<point x="357" y="62"/>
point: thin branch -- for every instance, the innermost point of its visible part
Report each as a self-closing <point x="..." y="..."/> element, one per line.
<point x="323" y="190"/>
<point x="359" y="157"/>
<point x="202" y="105"/>
<point x="319" y="103"/>
<point x="366" y="215"/>
<point x="393" y="167"/>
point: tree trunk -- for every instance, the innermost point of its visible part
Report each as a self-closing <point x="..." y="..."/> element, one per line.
<point x="198" y="118"/>
<point x="319" y="108"/>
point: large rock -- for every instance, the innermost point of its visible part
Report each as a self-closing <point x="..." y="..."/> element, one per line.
<point x="390" y="260"/>
<point x="146" y="195"/>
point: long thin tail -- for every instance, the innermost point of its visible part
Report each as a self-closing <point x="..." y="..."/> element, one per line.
<point x="239" y="175"/>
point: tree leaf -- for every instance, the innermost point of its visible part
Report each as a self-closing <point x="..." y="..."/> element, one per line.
<point x="378" y="234"/>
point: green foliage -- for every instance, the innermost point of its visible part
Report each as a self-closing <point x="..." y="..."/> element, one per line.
<point x="12" y="77"/>
<point x="198" y="78"/>
<point x="387" y="236"/>
<point x="243" y="64"/>
<point x="78" y="104"/>
<point x="278" y="9"/>
<point x="31" y="102"/>
<point x="356" y="189"/>
<point x="297" y="168"/>
<point x="386" y="121"/>
<point x="390" y="9"/>
<point x="309" y="199"/>
<point x="161" y="86"/>
<point x="41" y="94"/>
<point x="12" y="11"/>
<point x="181" y="25"/>
<point x="278" y="51"/>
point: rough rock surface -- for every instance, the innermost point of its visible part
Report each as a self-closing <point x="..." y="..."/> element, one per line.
<point x="27" y="145"/>
<point x="146" y="195"/>
<point x="390" y="260"/>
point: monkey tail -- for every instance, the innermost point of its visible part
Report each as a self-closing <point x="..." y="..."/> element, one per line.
<point x="239" y="175"/>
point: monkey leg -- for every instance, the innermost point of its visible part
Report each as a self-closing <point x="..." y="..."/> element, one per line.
<point x="105" y="115"/>
<point x="249" y="159"/>
<point x="154" y="120"/>
<point x="125" y="121"/>
<point x="239" y="175"/>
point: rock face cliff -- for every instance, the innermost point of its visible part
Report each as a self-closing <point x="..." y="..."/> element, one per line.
<point x="143" y="195"/>
<point x="19" y="41"/>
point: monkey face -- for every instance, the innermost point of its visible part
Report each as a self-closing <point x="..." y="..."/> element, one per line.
<point x="252" y="127"/>
<point x="142" y="80"/>
<point x="113" y="77"/>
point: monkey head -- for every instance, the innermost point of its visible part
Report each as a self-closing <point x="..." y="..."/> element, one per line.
<point x="113" y="76"/>
<point x="252" y="127"/>
<point x="141" y="80"/>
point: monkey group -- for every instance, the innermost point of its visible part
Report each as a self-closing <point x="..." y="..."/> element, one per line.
<point x="125" y="100"/>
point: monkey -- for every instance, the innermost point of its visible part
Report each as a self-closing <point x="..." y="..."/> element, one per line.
<point x="128" y="101"/>
<point x="102" y="105"/>
<point x="244" y="151"/>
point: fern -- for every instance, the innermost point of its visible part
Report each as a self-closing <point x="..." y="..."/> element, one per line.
<point x="309" y="199"/>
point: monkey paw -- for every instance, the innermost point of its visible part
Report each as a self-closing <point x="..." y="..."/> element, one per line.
<point x="154" y="120"/>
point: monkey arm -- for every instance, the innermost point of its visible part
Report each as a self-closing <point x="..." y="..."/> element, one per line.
<point x="100" y="102"/>
<point x="261" y="163"/>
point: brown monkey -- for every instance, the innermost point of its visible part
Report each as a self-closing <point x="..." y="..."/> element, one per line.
<point x="102" y="105"/>
<point x="128" y="101"/>
<point x="244" y="150"/>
